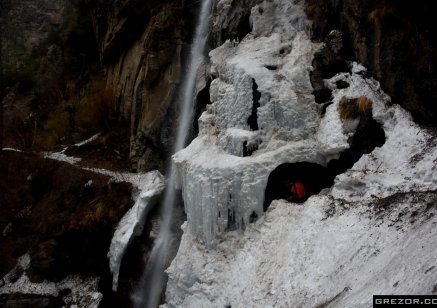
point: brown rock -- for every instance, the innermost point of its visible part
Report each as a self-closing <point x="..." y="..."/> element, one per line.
<point x="395" y="40"/>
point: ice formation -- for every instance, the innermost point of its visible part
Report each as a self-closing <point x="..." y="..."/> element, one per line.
<point x="373" y="232"/>
<point x="132" y="223"/>
<point x="217" y="182"/>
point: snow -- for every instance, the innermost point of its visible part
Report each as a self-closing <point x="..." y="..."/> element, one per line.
<point x="83" y="294"/>
<point x="373" y="232"/>
<point x="136" y="179"/>
<point x="305" y="256"/>
<point x="11" y="149"/>
<point x="91" y="139"/>
<point x="132" y="223"/>
<point x="60" y="156"/>
<point x="7" y="229"/>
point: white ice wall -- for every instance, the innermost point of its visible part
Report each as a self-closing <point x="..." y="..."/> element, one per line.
<point x="215" y="178"/>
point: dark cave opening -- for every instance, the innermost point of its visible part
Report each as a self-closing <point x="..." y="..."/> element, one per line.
<point x="271" y="67"/>
<point x="237" y="32"/>
<point x="323" y="95"/>
<point x="315" y="177"/>
<point x="244" y="27"/>
<point x="202" y="100"/>
<point x="250" y="147"/>
<point x="326" y="64"/>
<point x="368" y="136"/>
<point x="253" y="118"/>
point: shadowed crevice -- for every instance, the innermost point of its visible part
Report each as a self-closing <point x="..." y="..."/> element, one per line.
<point x="253" y="118"/>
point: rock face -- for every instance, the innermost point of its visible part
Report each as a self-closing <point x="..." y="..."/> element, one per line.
<point x="41" y="17"/>
<point x="48" y="56"/>
<point x="395" y="40"/>
<point x="231" y="21"/>
<point x="136" y="48"/>
<point x="142" y="48"/>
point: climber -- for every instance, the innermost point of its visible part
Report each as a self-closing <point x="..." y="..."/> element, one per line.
<point x="297" y="191"/>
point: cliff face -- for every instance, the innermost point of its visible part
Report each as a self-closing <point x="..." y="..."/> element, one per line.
<point x="395" y="40"/>
<point x="88" y="67"/>
<point x="48" y="58"/>
<point x="130" y="52"/>
<point x="141" y="48"/>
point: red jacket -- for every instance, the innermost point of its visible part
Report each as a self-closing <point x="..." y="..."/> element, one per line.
<point x="298" y="191"/>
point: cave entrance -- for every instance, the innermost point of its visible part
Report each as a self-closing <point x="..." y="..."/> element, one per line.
<point x="314" y="177"/>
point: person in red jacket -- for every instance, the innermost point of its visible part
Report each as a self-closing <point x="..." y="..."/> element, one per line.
<point x="297" y="192"/>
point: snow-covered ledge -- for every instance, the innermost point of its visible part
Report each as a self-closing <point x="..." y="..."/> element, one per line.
<point x="150" y="188"/>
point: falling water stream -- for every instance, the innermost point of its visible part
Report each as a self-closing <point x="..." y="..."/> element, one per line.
<point x="153" y="279"/>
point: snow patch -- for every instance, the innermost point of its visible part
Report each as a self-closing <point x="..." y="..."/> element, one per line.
<point x="60" y="156"/>
<point x="11" y="149"/>
<point x="89" y="140"/>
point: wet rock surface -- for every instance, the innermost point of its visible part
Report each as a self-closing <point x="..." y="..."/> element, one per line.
<point x="395" y="40"/>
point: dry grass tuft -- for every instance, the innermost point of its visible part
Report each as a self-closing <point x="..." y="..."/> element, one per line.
<point x="352" y="108"/>
<point x="348" y="108"/>
<point x="364" y="105"/>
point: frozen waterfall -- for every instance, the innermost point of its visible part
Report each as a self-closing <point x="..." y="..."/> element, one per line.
<point x="152" y="282"/>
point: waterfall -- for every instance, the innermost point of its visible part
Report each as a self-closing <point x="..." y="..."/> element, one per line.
<point x="152" y="281"/>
